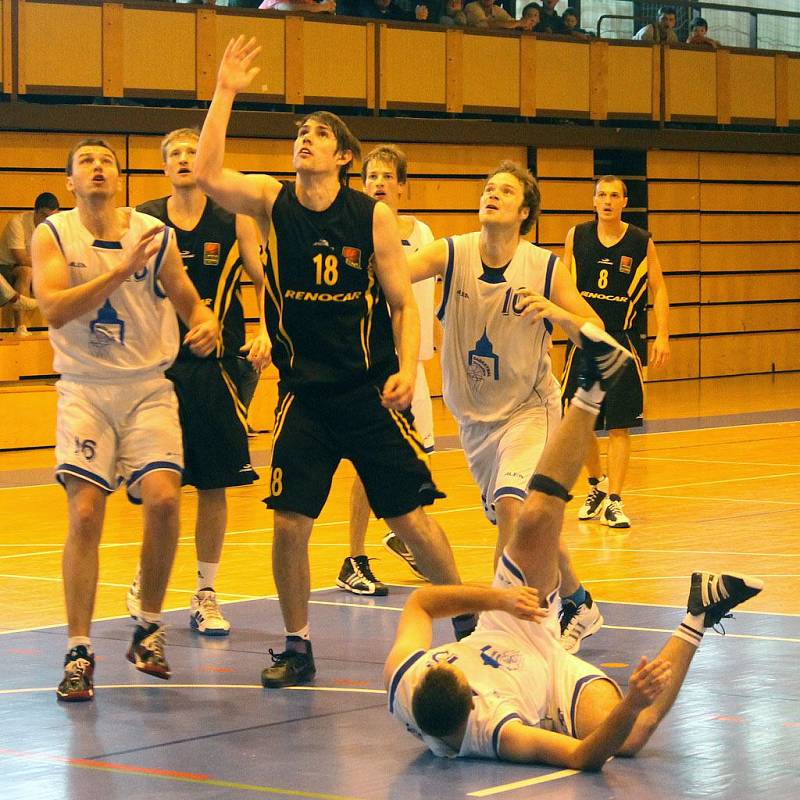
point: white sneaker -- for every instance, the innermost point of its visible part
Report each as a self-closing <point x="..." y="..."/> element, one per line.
<point x="613" y="514"/>
<point x="206" y="618"/>
<point x="598" y="491"/>
<point x="23" y="303"/>
<point x="578" y="622"/>
<point x="133" y="599"/>
<point x="22" y="330"/>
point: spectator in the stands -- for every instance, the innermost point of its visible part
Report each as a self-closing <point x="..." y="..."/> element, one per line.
<point x="533" y="14"/>
<point x="698" y="34"/>
<point x="453" y="14"/>
<point x="662" y="31"/>
<point x="550" y="21"/>
<point x="391" y="10"/>
<point x="572" y="24"/>
<point x="485" y="14"/>
<point x="15" y="254"/>
<point x="309" y="6"/>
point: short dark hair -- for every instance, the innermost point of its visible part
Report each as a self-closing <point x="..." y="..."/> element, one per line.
<point x="570" y="12"/>
<point x="90" y="143"/>
<point x="531" y="196"/>
<point x="611" y="179"/>
<point x="344" y="138"/>
<point x="441" y="703"/>
<point x="528" y="7"/>
<point x="667" y="10"/>
<point x="46" y="200"/>
<point x="389" y="154"/>
<point x="698" y="22"/>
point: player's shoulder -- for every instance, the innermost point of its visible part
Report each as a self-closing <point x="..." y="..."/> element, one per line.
<point x="154" y="208"/>
<point x="219" y="214"/>
<point x="639" y="233"/>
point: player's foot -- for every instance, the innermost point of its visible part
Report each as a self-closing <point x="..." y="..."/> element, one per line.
<point x="205" y="616"/>
<point x="715" y="595"/>
<point x="603" y="358"/>
<point x="356" y="576"/>
<point x="22" y="331"/>
<point x="133" y="599"/>
<point x="78" y="684"/>
<point x="146" y="652"/>
<point x="598" y="491"/>
<point x="578" y="622"/>
<point x="23" y="303"/>
<point x="613" y="513"/>
<point x="395" y="546"/>
<point x="289" y="668"/>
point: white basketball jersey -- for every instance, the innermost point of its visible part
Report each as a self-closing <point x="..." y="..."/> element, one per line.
<point x="423" y="290"/>
<point x="135" y="332"/>
<point x="493" y="359"/>
<point x="508" y="681"/>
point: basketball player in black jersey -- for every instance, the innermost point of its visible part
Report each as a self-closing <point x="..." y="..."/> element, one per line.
<point x="215" y="247"/>
<point x="614" y="264"/>
<point x="347" y="371"/>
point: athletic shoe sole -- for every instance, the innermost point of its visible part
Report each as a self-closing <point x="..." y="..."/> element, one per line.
<point x="195" y="626"/>
<point x="347" y="588"/>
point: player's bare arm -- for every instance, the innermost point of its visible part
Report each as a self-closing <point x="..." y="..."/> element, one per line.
<point x="429" y="261"/>
<point x="391" y="270"/>
<point x="565" y="307"/>
<point x="658" y="288"/>
<point x="239" y="193"/>
<point x="201" y="337"/>
<point x="61" y="302"/>
<point x="523" y="743"/>
<point x="569" y="244"/>
<point x="259" y="348"/>
<point x="415" y="629"/>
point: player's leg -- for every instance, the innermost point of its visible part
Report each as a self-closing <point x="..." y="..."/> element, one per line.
<point x="86" y="505"/>
<point x="619" y="455"/>
<point x="356" y="574"/>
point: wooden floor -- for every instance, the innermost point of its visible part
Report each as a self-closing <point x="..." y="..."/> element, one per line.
<point x="715" y="495"/>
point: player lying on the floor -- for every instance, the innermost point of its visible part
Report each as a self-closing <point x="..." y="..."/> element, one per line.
<point x="510" y="691"/>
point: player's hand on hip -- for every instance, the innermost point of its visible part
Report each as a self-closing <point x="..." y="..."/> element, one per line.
<point x="523" y="603"/>
<point x="259" y="351"/>
<point x="648" y="680"/>
<point x="397" y="392"/>
<point x="147" y="246"/>
<point x="202" y="338"/>
<point x="660" y="351"/>
<point x="236" y="70"/>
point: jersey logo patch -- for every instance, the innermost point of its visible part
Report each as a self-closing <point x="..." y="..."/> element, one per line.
<point x="625" y="264"/>
<point x="482" y="363"/>
<point x="507" y="659"/>
<point x="352" y="257"/>
<point x="211" y="252"/>
<point x="77" y="264"/>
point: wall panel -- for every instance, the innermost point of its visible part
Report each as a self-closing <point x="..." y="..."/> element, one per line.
<point x="481" y="55"/>
<point x="691" y="84"/>
<point x="630" y="81"/>
<point x="417" y="81"/>
<point x="749" y="353"/>
<point x="327" y="44"/>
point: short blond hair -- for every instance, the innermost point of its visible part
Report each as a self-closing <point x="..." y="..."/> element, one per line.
<point x="179" y="133"/>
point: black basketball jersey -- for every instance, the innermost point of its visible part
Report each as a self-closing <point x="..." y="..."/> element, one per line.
<point x="325" y="310"/>
<point x="211" y="258"/>
<point x="612" y="279"/>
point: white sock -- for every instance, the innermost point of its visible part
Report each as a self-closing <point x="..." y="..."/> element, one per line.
<point x="147" y="618"/>
<point x="77" y="641"/>
<point x="206" y="574"/>
<point x="303" y="633"/>
<point x="589" y="399"/>
<point x="691" y="629"/>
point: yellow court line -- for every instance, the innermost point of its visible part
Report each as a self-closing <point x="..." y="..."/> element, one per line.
<point x="508" y="787"/>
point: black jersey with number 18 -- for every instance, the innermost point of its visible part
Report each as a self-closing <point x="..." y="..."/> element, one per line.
<point x="613" y="280"/>
<point x="325" y="310"/>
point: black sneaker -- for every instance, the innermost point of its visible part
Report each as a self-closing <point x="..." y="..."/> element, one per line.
<point x="397" y="547"/>
<point x="289" y="668"/>
<point x="603" y="358"/>
<point x="78" y="684"/>
<point x="715" y="595"/>
<point x="146" y="652"/>
<point x="356" y="576"/>
<point x="598" y="491"/>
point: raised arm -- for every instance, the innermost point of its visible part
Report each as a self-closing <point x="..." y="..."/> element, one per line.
<point x="259" y="348"/>
<point x="59" y="302"/>
<point x="198" y="318"/>
<point x="428" y="261"/>
<point x="565" y="307"/>
<point x="391" y="269"/>
<point x="415" y="627"/>
<point x="241" y="194"/>
<point x="657" y="285"/>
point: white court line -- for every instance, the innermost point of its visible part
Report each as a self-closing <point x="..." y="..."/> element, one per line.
<point x="711" y="483"/>
<point x="170" y="685"/>
<point x="632" y="578"/>
<point x="712" y="461"/>
<point x="701" y="499"/>
<point x="507" y="787"/>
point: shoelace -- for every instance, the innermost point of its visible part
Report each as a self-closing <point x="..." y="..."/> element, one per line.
<point x="363" y="570"/>
<point x="154" y="643"/>
<point x="210" y="607"/>
<point x="282" y="658"/>
<point x="615" y="507"/>
<point x="77" y="668"/>
<point x="594" y="496"/>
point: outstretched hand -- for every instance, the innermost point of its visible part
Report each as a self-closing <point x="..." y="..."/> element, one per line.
<point x="235" y="70"/>
<point x="523" y="602"/>
<point x="141" y="253"/>
<point x="648" y="680"/>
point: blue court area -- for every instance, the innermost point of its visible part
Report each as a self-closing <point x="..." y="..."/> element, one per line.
<point x="213" y="732"/>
